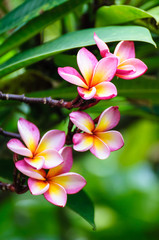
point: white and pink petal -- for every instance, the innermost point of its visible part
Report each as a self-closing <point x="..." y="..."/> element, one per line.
<point x="125" y="50"/>
<point x="83" y="121"/>
<point x="72" y="76"/>
<point x="108" y="119"/>
<point x="72" y="182"/>
<point x="37" y="187"/>
<point x="100" y="149"/>
<point x="103" y="48"/>
<point x="53" y="139"/>
<point x="67" y="157"/>
<point x="139" y="68"/>
<point x="105" y="90"/>
<point x="105" y="70"/>
<point x="113" y="139"/>
<point x="86" y="63"/>
<point x="37" y="162"/>
<point x="16" y="146"/>
<point x="51" y="158"/>
<point x="86" y="93"/>
<point x="82" y="141"/>
<point x="29" y="171"/>
<point x="29" y="133"/>
<point x="56" y="195"/>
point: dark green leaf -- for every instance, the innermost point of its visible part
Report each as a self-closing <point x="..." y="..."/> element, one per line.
<point x="25" y="12"/>
<point x="30" y="29"/>
<point x="75" y="40"/>
<point x="120" y="14"/>
<point x="81" y="204"/>
<point x="154" y="12"/>
<point x="139" y="88"/>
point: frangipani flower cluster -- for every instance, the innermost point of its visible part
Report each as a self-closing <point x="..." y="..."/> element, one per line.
<point x="128" y="66"/>
<point x="96" y="75"/>
<point x="95" y="82"/>
<point x="50" y="154"/>
<point x="47" y="162"/>
<point x="57" y="183"/>
<point x="43" y="154"/>
<point x="98" y="139"/>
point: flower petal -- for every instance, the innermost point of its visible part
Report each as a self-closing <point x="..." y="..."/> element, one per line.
<point x="99" y="149"/>
<point x="37" y="187"/>
<point x="51" y="158"/>
<point x="82" y="142"/>
<point x="108" y="119"/>
<point x="104" y="50"/>
<point x="105" y="70"/>
<point x="86" y="93"/>
<point x="36" y="162"/>
<point x="72" y="182"/>
<point x="56" y="194"/>
<point x="16" y="146"/>
<point x="29" y="133"/>
<point x="86" y="62"/>
<point x="66" y="154"/>
<point x="138" y="66"/>
<point x="27" y="170"/>
<point x="83" y="121"/>
<point x="125" y="50"/>
<point x="127" y="70"/>
<point x="71" y="75"/>
<point x="113" y="139"/>
<point x="53" y="139"/>
<point x="105" y="90"/>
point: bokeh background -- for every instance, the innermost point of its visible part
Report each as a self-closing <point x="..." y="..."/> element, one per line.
<point x="125" y="187"/>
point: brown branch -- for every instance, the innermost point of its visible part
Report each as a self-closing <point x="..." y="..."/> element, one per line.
<point x="78" y="102"/>
<point x="48" y="100"/>
<point x="9" y="134"/>
<point x="18" y="184"/>
<point x="69" y="133"/>
<point x="11" y="187"/>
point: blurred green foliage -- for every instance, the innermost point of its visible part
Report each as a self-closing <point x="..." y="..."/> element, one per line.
<point x="36" y="38"/>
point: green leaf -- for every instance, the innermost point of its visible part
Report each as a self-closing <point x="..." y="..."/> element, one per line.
<point x="25" y="12"/>
<point x="155" y="12"/>
<point x="75" y="40"/>
<point x="66" y="92"/>
<point x="139" y="138"/>
<point x="81" y="204"/>
<point x="120" y="14"/>
<point x="139" y="88"/>
<point x="30" y="29"/>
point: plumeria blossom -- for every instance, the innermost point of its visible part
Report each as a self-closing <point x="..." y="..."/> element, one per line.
<point x="43" y="154"/>
<point x="95" y="82"/>
<point x="129" y="67"/>
<point x="57" y="183"/>
<point x="98" y="139"/>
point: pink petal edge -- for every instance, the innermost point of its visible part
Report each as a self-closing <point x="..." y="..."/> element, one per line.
<point x="108" y="119"/>
<point x="72" y="182"/>
<point x="86" y="93"/>
<point x="29" y="133"/>
<point x="72" y="76"/>
<point x="86" y="63"/>
<point x="83" y="121"/>
<point x="16" y="146"/>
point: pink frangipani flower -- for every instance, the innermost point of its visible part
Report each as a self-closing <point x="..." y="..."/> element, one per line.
<point x="57" y="183"/>
<point x="98" y="139"/>
<point x="43" y="154"/>
<point x="95" y="82"/>
<point x="128" y="67"/>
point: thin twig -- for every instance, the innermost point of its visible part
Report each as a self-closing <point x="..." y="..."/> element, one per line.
<point x="47" y="100"/>
<point x="9" y="134"/>
<point x="78" y="102"/>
